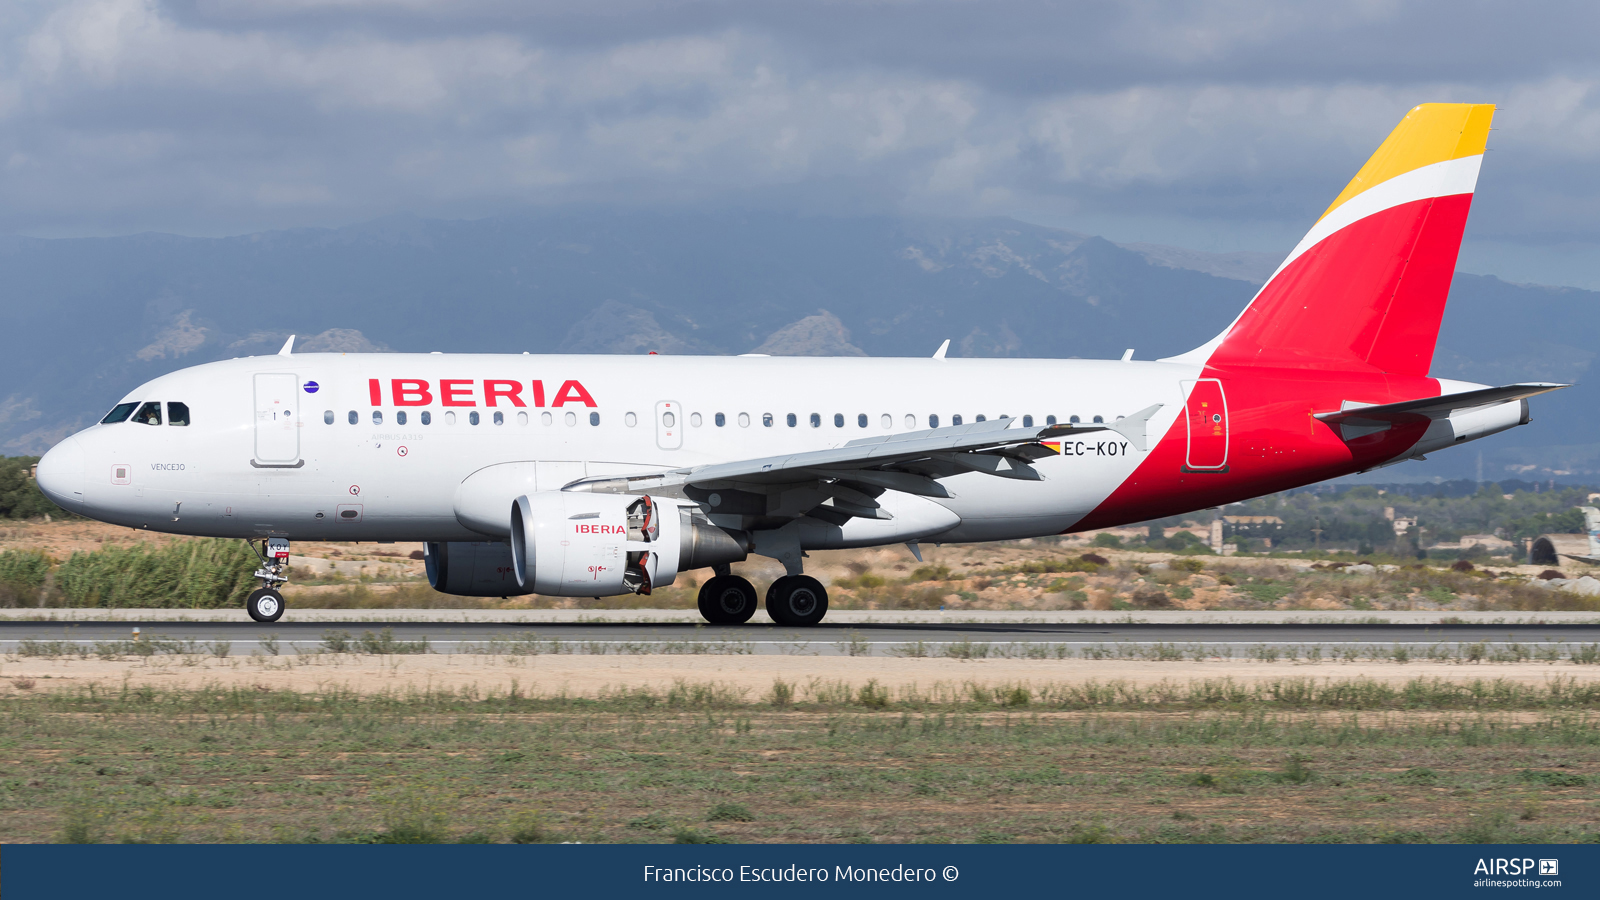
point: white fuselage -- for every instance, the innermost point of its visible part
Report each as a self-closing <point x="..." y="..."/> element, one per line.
<point x="266" y="455"/>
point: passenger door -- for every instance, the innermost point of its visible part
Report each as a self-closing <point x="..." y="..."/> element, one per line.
<point x="1206" y="413"/>
<point x="277" y="418"/>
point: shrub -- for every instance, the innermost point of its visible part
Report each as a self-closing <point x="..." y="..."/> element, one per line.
<point x="931" y="573"/>
<point x="1095" y="558"/>
<point x="1106" y="539"/>
<point x="1553" y="779"/>
<point x="22" y="576"/>
<point x="730" y="812"/>
<point x="198" y="574"/>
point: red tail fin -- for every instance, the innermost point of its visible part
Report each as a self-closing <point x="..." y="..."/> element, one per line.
<point x="1366" y="287"/>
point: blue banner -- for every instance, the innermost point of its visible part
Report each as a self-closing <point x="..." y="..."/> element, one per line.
<point x="272" y="872"/>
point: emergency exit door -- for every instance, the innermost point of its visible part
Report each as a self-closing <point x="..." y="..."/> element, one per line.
<point x="669" y="425"/>
<point x="1206" y="413"/>
<point x="277" y="418"/>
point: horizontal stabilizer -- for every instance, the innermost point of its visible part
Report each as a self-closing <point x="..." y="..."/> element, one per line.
<point x="1435" y="407"/>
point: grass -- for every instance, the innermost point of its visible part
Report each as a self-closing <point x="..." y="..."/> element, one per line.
<point x="1289" y="761"/>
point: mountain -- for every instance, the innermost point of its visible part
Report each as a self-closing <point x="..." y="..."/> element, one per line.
<point x="94" y="317"/>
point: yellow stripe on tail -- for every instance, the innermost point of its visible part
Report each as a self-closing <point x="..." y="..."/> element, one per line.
<point x="1430" y="133"/>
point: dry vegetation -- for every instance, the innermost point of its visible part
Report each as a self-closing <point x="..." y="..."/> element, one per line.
<point x="1292" y="761"/>
<point x="1046" y="574"/>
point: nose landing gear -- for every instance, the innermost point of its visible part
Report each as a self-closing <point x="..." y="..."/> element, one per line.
<point x="266" y="603"/>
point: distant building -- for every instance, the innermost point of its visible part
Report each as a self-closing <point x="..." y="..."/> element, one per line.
<point x="1265" y="527"/>
<point x="1468" y="541"/>
<point x="1547" y="549"/>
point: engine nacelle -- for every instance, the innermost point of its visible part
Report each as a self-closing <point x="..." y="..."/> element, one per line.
<point x="580" y="544"/>
<point x="472" y="569"/>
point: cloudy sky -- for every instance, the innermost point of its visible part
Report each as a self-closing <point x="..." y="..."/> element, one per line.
<point x="1213" y="125"/>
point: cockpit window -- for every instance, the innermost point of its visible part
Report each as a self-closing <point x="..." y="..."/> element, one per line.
<point x="120" y="413"/>
<point x="177" y="413"/>
<point x="148" y="414"/>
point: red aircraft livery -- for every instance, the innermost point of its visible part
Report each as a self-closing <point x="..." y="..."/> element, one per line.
<point x="464" y="392"/>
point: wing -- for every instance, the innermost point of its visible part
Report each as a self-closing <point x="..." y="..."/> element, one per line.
<point x="1434" y="407"/>
<point x="842" y="483"/>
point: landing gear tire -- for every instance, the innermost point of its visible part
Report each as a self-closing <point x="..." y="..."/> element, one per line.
<point x="727" y="600"/>
<point x="265" y="605"/>
<point x="797" y="600"/>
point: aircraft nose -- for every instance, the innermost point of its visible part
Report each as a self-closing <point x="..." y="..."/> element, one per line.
<point x="61" y="473"/>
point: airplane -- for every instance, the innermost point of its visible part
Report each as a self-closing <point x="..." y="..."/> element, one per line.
<point x="589" y="476"/>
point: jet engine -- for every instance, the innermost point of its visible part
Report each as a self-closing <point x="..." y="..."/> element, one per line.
<point x="472" y="569"/>
<point x="579" y="544"/>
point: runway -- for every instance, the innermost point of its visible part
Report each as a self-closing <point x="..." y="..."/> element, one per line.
<point x="854" y="639"/>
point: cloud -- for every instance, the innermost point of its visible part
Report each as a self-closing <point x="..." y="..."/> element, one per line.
<point x="211" y="116"/>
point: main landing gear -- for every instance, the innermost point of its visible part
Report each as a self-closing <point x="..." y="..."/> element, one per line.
<point x="728" y="600"/>
<point x="265" y="604"/>
<point x="797" y="600"/>
<point x="793" y="600"/>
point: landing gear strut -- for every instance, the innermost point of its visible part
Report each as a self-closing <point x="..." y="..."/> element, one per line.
<point x="797" y="600"/>
<point x="727" y="600"/>
<point x="266" y="604"/>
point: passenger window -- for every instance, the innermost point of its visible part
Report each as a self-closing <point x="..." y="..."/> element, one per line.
<point x="792" y="420"/>
<point x="354" y="419"/>
<point x="450" y="417"/>
<point x="473" y="417"/>
<point x="148" y="414"/>
<point x="911" y="422"/>
<point x="120" y="413"/>
<point x="544" y="418"/>
<point x="861" y="420"/>
<point x="888" y="422"/>
<point x="744" y="420"/>
<point x="933" y="420"/>
<point x="377" y="417"/>
<point x="571" y="417"/>
<point x="981" y="418"/>
<point x="522" y="419"/>
<point x="499" y="418"/>
<point x="838" y="420"/>
<point x="177" y="413"/>
<point x="766" y="420"/>
<point x="1073" y="420"/>
<point x="1099" y="420"/>
<point x="327" y="417"/>
<point x="1049" y="420"/>
<point x="720" y="419"/>
<point x="594" y="418"/>
<point x="630" y="420"/>
<point x="816" y="420"/>
<point x="1027" y="421"/>
<point x="955" y="419"/>
<point x="400" y="417"/>
<point x="695" y="420"/>
<point x="427" y="417"/>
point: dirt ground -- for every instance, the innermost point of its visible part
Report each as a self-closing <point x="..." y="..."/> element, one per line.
<point x="591" y="676"/>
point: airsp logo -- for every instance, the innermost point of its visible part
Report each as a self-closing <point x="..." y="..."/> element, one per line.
<point x="1514" y="867"/>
